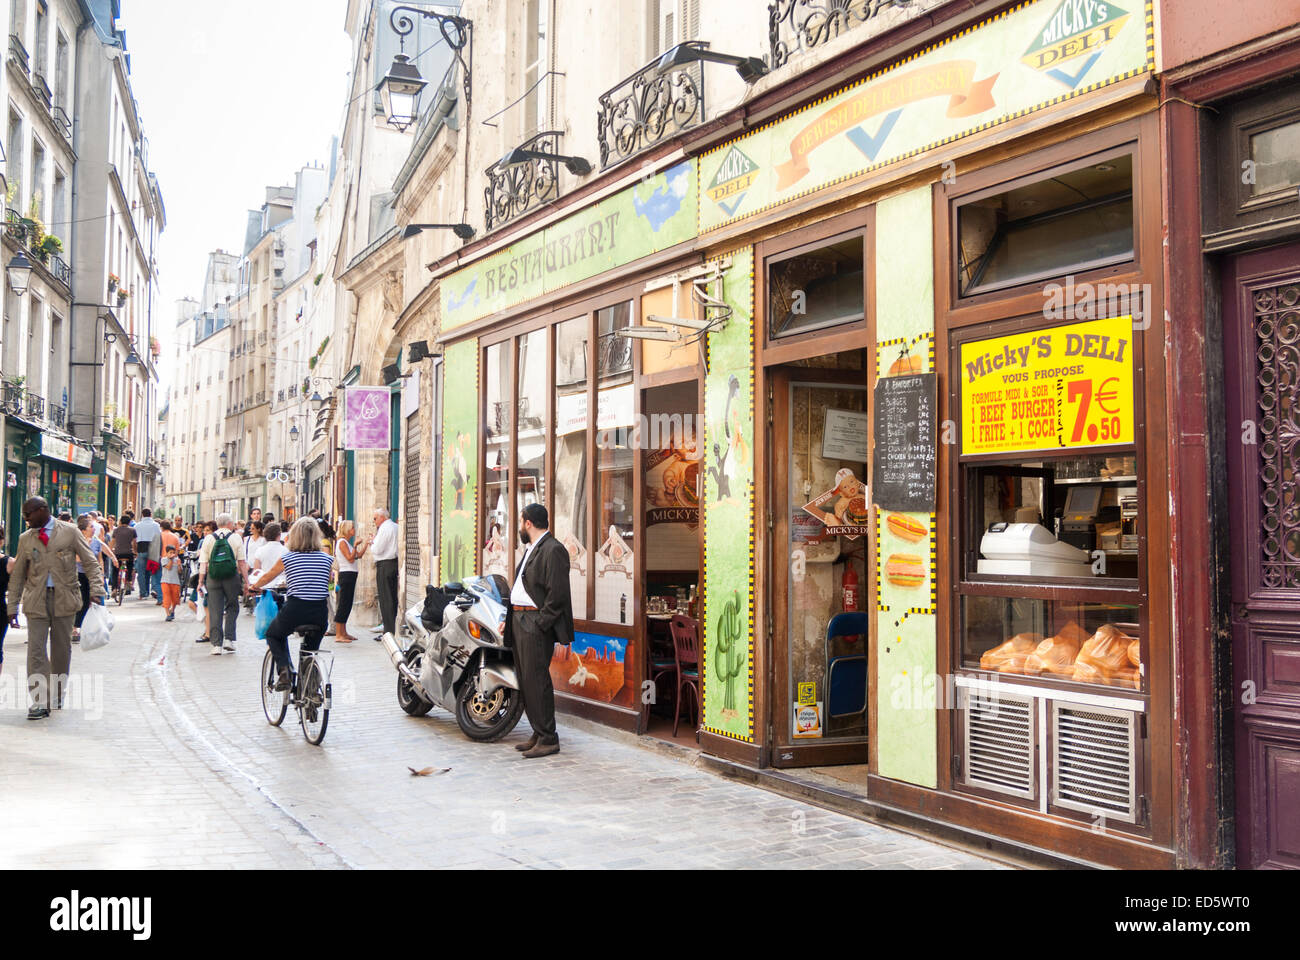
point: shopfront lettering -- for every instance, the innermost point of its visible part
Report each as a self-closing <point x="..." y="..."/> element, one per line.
<point x="1074" y="16"/>
<point x="559" y="253"/>
<point x="1092" y="345"/>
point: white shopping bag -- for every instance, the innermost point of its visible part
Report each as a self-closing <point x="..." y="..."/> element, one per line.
<point x="96" y="628"/>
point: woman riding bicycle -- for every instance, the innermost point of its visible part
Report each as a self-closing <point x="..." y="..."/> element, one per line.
<point x="307" y="571"/>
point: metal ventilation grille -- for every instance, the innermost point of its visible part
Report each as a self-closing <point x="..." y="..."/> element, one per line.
<point x="999" y="743"/>
<point x="1093" y="761"/>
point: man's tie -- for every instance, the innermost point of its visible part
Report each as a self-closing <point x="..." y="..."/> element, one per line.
<point x="45" y="537"/>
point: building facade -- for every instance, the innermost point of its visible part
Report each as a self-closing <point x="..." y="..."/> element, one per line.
<point x="84" y="212"/>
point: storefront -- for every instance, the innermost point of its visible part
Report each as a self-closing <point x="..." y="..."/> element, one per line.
<point x="926" y="512"/>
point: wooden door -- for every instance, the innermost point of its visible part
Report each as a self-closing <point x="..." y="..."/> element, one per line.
<point x="1262" y="386"/>
<point x="806" y="587"/>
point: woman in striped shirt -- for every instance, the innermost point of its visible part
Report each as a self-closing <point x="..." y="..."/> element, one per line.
<point x="307" y="572"/>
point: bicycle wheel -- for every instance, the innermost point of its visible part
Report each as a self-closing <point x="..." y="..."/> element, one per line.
<point x="275" y="703"/>
<point x="314" y="703"/>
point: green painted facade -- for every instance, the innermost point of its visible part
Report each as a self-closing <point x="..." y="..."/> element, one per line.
<point x="906" y="643"/>
<point x="460" y="428"/>
<point x="728" y="469"/>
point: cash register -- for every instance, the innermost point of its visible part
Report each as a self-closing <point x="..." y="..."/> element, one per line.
<point x="1030" y="549"/>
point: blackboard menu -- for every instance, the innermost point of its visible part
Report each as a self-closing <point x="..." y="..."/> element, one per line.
<point x="904" y="461"/>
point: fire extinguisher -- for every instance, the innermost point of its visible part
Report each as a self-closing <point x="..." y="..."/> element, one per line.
<point x="851" y="601"/>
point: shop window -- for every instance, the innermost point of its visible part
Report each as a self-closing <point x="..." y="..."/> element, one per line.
<point x="570" y="513"/>
<point x="816" y="287"/>
<point x="612" y="558"/>
<point x="534" y="394"/>
<point x="1064" y="222"/>
<point x="496" y="469"/>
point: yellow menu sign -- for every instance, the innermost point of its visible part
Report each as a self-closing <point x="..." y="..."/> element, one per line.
<point x="1062" y="387"/>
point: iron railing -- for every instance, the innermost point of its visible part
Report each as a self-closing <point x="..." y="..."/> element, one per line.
<point x="796" y="26"/>
<point x="35" y="407"/>
<point x="57" y="415"/>
<point x="41" y="88"/>
<point x="18" y="54"/>
<point x="511" y="191"/>
<point x="647" y="108"/>
<point x="62" y="272"/>
<point x="12" y="398"/>
<point x="62" y="121"/>
<point x="615" y="354"/>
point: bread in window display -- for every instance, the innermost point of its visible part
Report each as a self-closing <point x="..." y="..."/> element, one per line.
<point x="1055" y="656"/>
<point x="1135" y="658"/>
<point x="1104" y="658"/>
<point x="1009" y="657"/>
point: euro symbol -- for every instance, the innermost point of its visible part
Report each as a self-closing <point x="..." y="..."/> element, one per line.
<point x="1109" y="393"/>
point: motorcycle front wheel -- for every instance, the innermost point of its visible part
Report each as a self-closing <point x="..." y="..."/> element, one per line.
<point x="485" y="719"/>
<point x="408" y="699"/>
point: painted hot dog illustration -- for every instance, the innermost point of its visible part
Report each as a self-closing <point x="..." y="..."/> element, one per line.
<point x="907" y="528"/>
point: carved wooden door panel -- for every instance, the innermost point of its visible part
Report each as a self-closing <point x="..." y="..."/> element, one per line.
<point x="1262" y="386"/>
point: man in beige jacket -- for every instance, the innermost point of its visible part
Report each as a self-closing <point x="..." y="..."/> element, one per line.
<point x="44" y="582"/>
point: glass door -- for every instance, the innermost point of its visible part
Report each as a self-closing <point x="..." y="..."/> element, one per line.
<point x="821" y="597"/>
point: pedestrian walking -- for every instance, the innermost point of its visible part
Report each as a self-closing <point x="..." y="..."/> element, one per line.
<point x="541" y="615"/>
<point x="254" y="516"/>
<point x="307" y="571"/>
<point x="6" y="621"/>
<point x="224" y="571"/>
<point x="171" y="581"/>
<point x="346" y="556"/>
<point x="87" y="530"/>
<point x="147" y="532"/>
<point x="384" y="549"/>
<point x="44" y="586"/>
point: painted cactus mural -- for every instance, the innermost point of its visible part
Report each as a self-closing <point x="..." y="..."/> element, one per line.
<point x="728" y="507"/>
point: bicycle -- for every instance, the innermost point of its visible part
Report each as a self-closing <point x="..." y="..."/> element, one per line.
<point x="310" y="690"/>
<point x="121" y="582"/>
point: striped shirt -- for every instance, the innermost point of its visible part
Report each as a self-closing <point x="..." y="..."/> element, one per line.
<point x="308" y="574"/>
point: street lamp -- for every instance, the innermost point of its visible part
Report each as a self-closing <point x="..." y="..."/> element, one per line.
<point x="749" y="68"/>
<point x="294" y="433"/>
<point x="20" y="274"/>
<point x="400" y="90"/>
<point x="462" y="230"/>
<point x="578" y="166"/>
<point x="134" y="365"/>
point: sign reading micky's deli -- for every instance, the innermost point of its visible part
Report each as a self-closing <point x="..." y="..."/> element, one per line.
<point x="1052" y="389"/>
<point x="1023" y="60"/>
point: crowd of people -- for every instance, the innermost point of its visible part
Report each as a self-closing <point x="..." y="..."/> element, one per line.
<point x="213" y="569"/>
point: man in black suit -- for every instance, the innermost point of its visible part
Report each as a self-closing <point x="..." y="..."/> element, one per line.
<point x="541" y="615"/>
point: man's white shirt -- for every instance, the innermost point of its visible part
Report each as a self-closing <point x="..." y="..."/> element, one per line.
<point x="385" y="545"/>
<point x="518" y="595"/>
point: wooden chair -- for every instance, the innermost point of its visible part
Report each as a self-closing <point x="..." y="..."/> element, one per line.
<point x="686" y="652"/>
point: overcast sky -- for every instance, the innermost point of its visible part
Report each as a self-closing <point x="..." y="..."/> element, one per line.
<point x="233" y="97"/>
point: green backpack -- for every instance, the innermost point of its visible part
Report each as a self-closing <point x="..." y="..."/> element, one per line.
<point x="221" y="561"/>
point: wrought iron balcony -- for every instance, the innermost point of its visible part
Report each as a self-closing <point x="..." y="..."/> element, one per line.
<point x="42" y="90"/>
<point x="516" y="189"/>
<point x="647" y="108"/>
<point x="62" y="272"/>
<point x="62" y="121"/>
<point x="18" y="54"/>
<point x="57" y="414"/>
<point x="12" y="398"/>
<point x="35" y="407"/>
<point x="795" y="26"/>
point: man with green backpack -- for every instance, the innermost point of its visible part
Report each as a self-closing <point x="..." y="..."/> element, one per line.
<point x="224" y="570"/>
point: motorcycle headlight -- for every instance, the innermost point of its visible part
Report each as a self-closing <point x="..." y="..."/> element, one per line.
<point x="475" y="630"/>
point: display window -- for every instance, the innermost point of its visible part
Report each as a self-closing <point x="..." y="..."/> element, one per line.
<point x="570" y="505"/>
<point x="497" y="417"/>
<point x="817" y="286"/>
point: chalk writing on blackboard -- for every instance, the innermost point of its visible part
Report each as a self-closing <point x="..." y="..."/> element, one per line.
<point x="904" y="461"/>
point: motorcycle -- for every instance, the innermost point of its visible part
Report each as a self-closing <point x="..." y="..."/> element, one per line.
<point x="458" y="658"/>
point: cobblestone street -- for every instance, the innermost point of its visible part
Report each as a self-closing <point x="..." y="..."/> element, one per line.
<point x="163" y="758"/>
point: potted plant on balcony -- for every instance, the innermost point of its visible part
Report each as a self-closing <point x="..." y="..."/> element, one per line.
<point x="51" y="246"/>
<point x="121" y="426"/>
<point x="113" y="281"/>
<point x="155" y="347"/>
<point x="123" y="295"/>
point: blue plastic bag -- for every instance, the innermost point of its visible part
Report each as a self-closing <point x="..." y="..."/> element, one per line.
<point x="264" y="613"/>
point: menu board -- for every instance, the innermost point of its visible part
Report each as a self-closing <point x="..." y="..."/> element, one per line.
<point x="904" y="462"/>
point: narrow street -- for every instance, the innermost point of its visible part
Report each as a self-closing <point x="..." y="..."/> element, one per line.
<point x="163" y="758"/>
